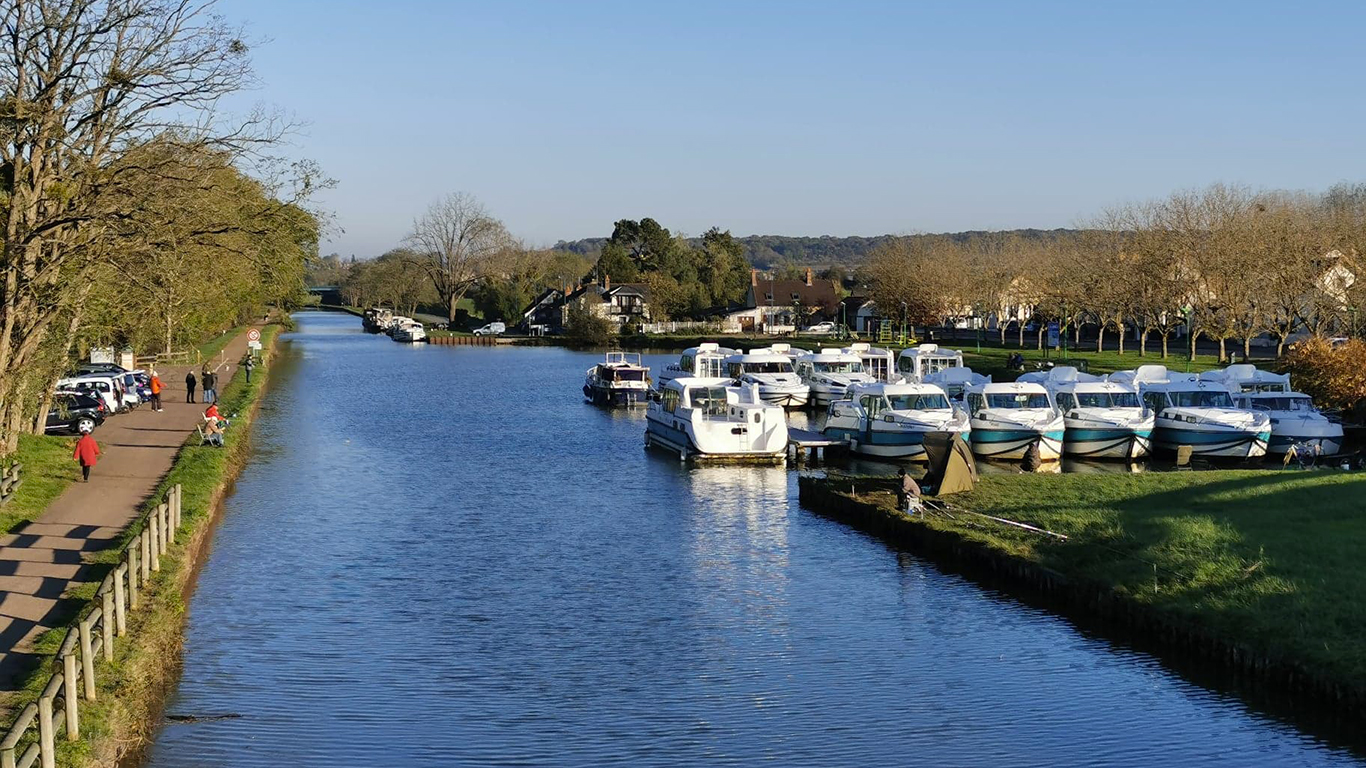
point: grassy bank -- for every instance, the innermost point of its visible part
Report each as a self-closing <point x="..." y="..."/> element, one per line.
<point x="48" y="470"/>
<point x="132" y="686"/>
<point x="1266" y="563"/>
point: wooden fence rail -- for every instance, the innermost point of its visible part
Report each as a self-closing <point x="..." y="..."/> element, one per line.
<point x="33" y="736"/>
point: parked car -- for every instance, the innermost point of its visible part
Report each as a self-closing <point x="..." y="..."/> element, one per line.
<point x="821" y="329"/>
<point x="74" y="412"/>
<point x="492" y="329"/>
<point x="138" y="383"/>
<point x="85" y="369"/>
<point x="103" y="386"/>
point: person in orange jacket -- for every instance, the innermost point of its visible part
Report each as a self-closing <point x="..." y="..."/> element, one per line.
<point x="156" y="392"/>
<point x="87" y="453"/>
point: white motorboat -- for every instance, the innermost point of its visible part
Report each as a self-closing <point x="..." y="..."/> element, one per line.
<point x="713" y="419"/>
<point x="775" y="374"/>
<point x="620" y="379"/>
<point x="1009" y="417"/>
<point x="1102" y="419"/>
<point x="919" y="362"/>
<point x="877" y="362"/>
<point x="829" y="373"/>
<point x="409" y="331"/>
<point x="891" y="420"/>
<point x="1294" y="419"/>
<point x="376" y="319"/>
<point x="1200" y="414"/>
<point x="706" y="361"/>
<point x="955" y="381"/>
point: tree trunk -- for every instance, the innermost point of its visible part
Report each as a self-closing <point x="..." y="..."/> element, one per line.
<point x="1143" y="340"/>
<point x="1120" y="333"/>
<point x="1164" y="346"/>
<point x="1040" y="337"/>
<point x="1247" y="348"/>
<point x="1020" y="329"/>
<point x="1100" y="338"/>
<point x="1280" y="346"/>
<point x="1223" y="350"/>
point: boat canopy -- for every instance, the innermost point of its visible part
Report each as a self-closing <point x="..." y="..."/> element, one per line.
<point x="1248" y="378"/>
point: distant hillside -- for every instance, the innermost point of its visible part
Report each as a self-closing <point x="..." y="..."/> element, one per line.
<point x="765" y="251"/>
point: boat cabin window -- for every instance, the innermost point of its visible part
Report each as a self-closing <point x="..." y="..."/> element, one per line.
<point x="937" y="364"/>
<point x="840" y="367"/>
<point x="711" y="401"/>
<point x="627" y="374"/>
<point x="1202" y="398"/>
<point x="1103" y="400"/>
<point x="738" y="369"/>
<point x="711" y="367"/>
<point x="922" y="402"/>
<point x="975" y="401"/>
<point x="872" y="405"/>
<point x="1276" y="387"/>
<point x="876" y="367"/>
<point x="1155" y="400"/>
<point x="1013" y="400"/>
<point x="1301" y="403"/>
<point x="671" y="398"/>
<point x="685" y="363"/>
<point x="1066" y="401"/>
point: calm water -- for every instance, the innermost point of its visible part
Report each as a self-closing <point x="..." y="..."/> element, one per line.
<point x="442" y="556"/>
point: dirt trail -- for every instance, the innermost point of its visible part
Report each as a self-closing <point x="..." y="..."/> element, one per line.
<point x="40" y="561"/>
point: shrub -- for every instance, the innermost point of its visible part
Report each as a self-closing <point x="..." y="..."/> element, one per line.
<point x="587" y="328"/>
<point x="1333" y="374"/>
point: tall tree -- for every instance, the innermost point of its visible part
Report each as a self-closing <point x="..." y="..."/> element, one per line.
<point x="458" y="244"/>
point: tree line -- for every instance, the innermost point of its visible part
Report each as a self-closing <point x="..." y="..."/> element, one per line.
<point x="128" y="216"/>
<point x="1225" y="262"/>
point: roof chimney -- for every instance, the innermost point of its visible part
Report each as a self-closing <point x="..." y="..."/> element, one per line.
<point x="808" y="275"/>
<point x="754" y="277"/>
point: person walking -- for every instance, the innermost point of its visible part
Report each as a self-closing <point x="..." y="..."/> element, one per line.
<point x="87" y="453"/>
<point x="190" y="383"/>
<point x="156" y="391"/>
<point x="210" y="386"/>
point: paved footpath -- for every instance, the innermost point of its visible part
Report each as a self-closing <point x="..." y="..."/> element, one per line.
<point x="41" y="560"/>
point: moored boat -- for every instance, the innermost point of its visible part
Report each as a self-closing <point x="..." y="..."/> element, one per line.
<point x="714" y="419"/>
<point x="919" y="362"/>
<point x="1007" y="418"/>
<point x="891" y="420"/>
<point x="1199" y="414"/>
<point x="877" y="362"/>
<point x="1102" y="419"/>
<point x="706" y="361"/>
<point x="620" y="379"/>
<point x="408" y="331"/>
<point x="376" y="319"/>
<point x="954" y="381"/>
<point x="1295" y="422"/>
<point x="829" y="372"/>
<point x="775" y="375"/>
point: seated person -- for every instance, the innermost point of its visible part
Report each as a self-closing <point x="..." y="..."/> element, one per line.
<point x="213" y="432"/>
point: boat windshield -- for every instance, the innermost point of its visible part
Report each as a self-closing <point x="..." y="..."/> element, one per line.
<point x="1301" y="404"/>
<point x="774" y="367"/>
<point x="1018" y="400"/>
<point x="1107" y="400"/>
<point x="711" y="401"/>
<point x="843" y="367"/>
<point x="929" y="402"/>
<point x="627" y="374"/>
<point x="1203" y="398"/>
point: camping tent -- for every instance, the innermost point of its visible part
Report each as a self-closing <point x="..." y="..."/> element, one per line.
<point x="951" y="467"/>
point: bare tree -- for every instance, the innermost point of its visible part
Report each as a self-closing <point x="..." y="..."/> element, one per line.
<point x="459" y="244"/>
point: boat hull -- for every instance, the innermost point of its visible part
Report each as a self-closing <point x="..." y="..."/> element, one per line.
<point x="1325" y="445"/>
<point x="659" y="434"/>
<point x="886" y="444"/>
<point x="786" y="397"/>
<point x="1117" y="443"/>
<point x="1227" y="443"/>
<point x="1007" y="444"/>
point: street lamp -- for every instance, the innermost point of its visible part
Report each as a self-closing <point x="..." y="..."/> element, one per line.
<point x="903" y="322"/>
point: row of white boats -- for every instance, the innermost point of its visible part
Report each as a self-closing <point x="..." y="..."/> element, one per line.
<point x="722" y="403"/>
<point x="402" y="329"/>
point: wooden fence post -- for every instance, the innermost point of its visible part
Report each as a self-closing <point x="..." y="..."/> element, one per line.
<point x="69" y="685"/>
<point x="107" y="620"/>
<point x="154" y="542"/>
<point x="120" y="612"/>
<point x="87" y="661"/>
<point x="133" y="574"/>
<point x="144" y="543"/>
<point x="47" y="746"/>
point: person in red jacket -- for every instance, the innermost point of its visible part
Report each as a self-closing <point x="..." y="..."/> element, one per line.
<point x="211" y="412"/>
<point x="87" y="453"/>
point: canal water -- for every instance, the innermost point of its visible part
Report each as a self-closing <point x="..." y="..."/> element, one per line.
<point x="442" y="556"/>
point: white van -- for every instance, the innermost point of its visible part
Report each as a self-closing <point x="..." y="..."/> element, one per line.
<point x="105" y="387"/>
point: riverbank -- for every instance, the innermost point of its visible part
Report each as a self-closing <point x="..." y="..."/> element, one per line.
<point x="1255" y="572"/>
<point x="131" y="688"/>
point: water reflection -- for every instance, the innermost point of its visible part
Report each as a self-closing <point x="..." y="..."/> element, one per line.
<point x="459" y="562"/>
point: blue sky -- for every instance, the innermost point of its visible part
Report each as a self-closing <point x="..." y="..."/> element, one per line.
<point x="802" y="118"/>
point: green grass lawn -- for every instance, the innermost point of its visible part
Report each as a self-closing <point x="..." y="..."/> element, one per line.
<point x="992" y="359"/>
<point x="213" y="346"/>
<point x="48" y="470"/>
<point x="1270" y="559"/>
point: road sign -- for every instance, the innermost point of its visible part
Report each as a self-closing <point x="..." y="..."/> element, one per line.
<point x="256" y="345"/>
<point x="1053" y="334"/>
<point x="253" y="335"/>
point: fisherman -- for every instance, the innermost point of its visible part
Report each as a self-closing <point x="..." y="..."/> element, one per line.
<point x="210" y="380"/>
<point x="249" y="365"/>
<point x="908" y="498"/>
